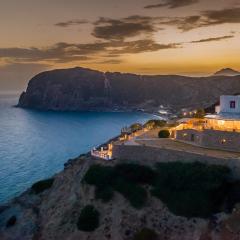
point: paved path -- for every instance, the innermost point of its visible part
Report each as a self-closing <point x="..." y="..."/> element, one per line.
<point x="179" y="146"/>
<point x="151" y="139"/>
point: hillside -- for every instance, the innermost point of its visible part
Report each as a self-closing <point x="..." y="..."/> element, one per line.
<point x="54" y="213"/>
<point x="227" y="72"/>
<point x="80" y="89"/>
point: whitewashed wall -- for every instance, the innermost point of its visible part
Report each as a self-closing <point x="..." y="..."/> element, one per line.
<point x="225" y="104"/>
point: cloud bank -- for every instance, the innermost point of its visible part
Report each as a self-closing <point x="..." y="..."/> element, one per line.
<point x="172" y="4"/>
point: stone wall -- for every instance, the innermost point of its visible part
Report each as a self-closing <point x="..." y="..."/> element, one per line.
<point x="151" y="155"/>
<point x="189" y="135"/>
<point x="211" y="139"/>
<point x="221" y="139"/>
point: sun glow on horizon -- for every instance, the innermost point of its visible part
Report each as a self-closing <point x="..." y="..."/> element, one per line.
<point x="193" y="38"/>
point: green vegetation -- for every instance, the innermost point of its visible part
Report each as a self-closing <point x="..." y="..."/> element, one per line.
<point x="105" y="193"/>
<point x="232" y="195"/>
<point x="134" y="173"/>
<point x="200" y="113"/>
<point x="136" y="127"/>
<point x="154" y="123"/>
<point x="42" y="185"/>
<point x="146" y="234"/>
<point x="188" y="189"/>
<point x="135" y="194"/>
<point x="164" y="134"/>
<point x="123" y="178"/>
<point x="193" y="189"/>
<point x="101" y="177"/>
<point x="88" y="220"/>
<point x="11" y="221"/>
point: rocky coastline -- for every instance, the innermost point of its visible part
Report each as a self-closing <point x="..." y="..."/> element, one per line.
<point x="81" y="89"/>
<point x="52" y="214"/>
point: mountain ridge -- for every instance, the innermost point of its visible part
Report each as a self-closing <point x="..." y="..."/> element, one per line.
<point x="83" y="89"/>
<point x="227" y="72"/>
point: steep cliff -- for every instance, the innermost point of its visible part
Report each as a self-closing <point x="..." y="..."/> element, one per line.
<point x="80" y="89"/>
<point x="53" y="214"/>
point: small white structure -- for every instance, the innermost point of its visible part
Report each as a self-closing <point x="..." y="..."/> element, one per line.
<point x="105" y="154"/>
<point x="229" y="104"/>
<point x="217" y="109"/>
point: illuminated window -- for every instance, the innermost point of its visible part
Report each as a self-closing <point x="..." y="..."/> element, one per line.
<point x="232" y="104"/>
<point x="223" y="141"/>
<point x="221" y="122"/>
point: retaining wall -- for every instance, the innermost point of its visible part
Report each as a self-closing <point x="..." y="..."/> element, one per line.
<point x="211" y="138"/>
<point x="151" y="155"/>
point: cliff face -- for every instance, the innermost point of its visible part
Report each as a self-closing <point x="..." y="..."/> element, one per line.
<point x="53" y="214"/>
<point x="80" y="89"/>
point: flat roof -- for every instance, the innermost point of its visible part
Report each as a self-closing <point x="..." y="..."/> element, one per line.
<point x="182" y="120"/>
<point x="224" y="116"/>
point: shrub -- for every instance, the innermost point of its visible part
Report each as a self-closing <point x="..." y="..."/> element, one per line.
<point x="135" y="173"/>
<point x="136" y="195"/>
<point x="136" y="127"/>
<point x="123" y="178"/>
<point x="146" y="234"/>
<point x="155" y="123"/>
<point x="104" y="193"/>
<point x="188" y="189"/>
<point x="200" y="113"/>
<point x="164" y="134"/>
<point x="99" y="175"/>
<point x="232" y="195"/>
<point x="42" y="185"/>
<point x="11" y="221"/>
<point x="88" y="220"/>
<point x="192" y="189"/>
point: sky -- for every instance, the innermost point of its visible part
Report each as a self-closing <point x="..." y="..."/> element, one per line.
<point x="186" y="37"/>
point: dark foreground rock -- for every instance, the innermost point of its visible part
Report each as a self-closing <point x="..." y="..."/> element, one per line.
<point x="80" y="89"/>
<point x="53" y="214"/>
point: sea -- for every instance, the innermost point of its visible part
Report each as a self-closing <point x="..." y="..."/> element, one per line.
<point x="34" y="145"/>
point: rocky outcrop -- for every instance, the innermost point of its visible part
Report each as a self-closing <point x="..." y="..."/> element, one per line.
<point x="80" y="89"/>
<point x="227" y="72"/>
<point x="53" y="214"/>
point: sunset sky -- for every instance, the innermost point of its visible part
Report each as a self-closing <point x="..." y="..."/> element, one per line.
<point x="188" y="37"/>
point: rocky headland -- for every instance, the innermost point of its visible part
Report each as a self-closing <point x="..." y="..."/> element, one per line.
<point x="53" y="209"/>
<point x="81" y="89"/>
<point x="53" y="213"/>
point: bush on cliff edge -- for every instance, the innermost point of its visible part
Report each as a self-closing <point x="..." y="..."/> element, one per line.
<point x="191" y="189"/>
<point x="146" y="234"/>
<point x="164" y="134"/>
<point x="42" y="185"/>
<point x="187" y="189"/>
<point x="88" y="220"/>
<point x="123" y="178"/>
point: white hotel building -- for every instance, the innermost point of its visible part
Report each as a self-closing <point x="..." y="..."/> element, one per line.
<point x="218" y="131"/>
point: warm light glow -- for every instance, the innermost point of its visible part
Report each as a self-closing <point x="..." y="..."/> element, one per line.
<point x="224" y="140"/>
<point x="221" y="122"/>
<point x="101" y="35"/>
<point x="213" y="124"/>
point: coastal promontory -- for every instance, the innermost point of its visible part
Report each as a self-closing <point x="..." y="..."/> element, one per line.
<point x="81" y="89"/>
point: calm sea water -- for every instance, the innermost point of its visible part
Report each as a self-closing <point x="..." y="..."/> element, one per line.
<point x="35" y="145"/>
